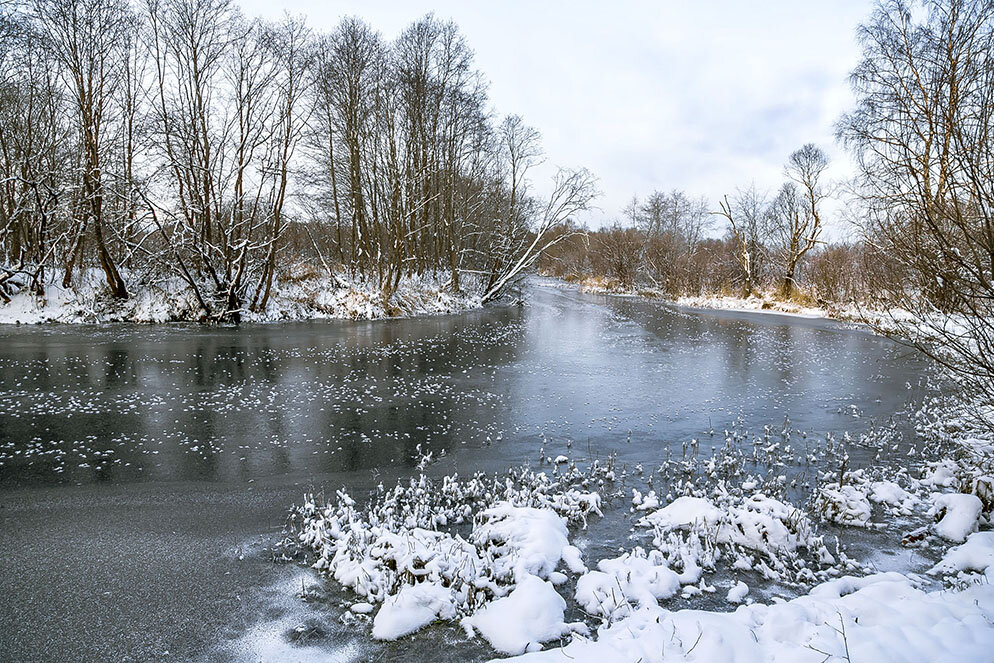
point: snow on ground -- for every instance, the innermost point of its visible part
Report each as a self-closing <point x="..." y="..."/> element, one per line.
<point x="315" y="296"/>
<point x="754" y="305"/>
<point x="764" y="304"/>
<point x="882" y="617"/>
<point x="768" y="304"/>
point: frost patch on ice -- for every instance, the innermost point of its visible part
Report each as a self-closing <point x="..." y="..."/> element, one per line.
<point x="276" y="639"/>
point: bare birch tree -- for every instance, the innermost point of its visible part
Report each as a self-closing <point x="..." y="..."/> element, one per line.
<point x="746" y="215"/>
<point x="795" y="213"/>
<point x="921" y="130"/>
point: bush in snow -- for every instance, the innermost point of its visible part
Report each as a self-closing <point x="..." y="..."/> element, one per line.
<point x="399" y="551"/>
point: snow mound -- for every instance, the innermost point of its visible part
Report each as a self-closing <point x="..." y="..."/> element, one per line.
<point x="942" y="474"/>
<point x="413" y="608"/>
<point x="524" y="619"/>
<point x="684" y="512"/>
<point x="891" y="494"/>
<point x="526" y="541"/>
<point x="737" y="593"/>
<point x="956" y="515"/>
<point x="977" y="554"/>
<point x="644" y="503"/>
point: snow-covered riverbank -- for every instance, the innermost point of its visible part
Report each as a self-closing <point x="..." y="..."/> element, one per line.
<point x="169" y="300"/>
<point x="768" y="305"/>
<point x="753" y="304"/>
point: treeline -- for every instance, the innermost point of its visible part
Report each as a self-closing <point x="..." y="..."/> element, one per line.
<point x="179" y="138"/>
<point x="746" y="244"/>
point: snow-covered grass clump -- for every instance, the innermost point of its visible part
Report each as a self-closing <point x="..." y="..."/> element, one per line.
<point x="849" y="498"/>
<point x="755" y="533"/>
<point x="477" y="548"/>
<point x="637" y="578"/>
<point x="843" y="504"/>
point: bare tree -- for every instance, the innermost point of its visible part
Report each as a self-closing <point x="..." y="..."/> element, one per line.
<point x="672" y="225"/>
<point x="921" y="130"/>
<point x="795" y="220"/>
<point x="85" y="38"/>
<point x="288" y="46"/>
<point x="519" y="151"/>
<point x="746" y="215"/>
<point x="36" y="141"/>
<point x="573" y="192"/>
<point x="618" y="250"/>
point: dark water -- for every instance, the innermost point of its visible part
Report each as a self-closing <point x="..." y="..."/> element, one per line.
<point x="145" y="469"/>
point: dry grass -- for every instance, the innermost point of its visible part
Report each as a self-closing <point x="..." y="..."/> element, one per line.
<point x="302" y="272"/>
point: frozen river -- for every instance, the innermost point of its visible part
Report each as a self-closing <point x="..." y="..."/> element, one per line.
<point x="145" y="471"/>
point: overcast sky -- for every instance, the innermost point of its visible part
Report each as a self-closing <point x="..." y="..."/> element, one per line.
<point x="700" y="96"/>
